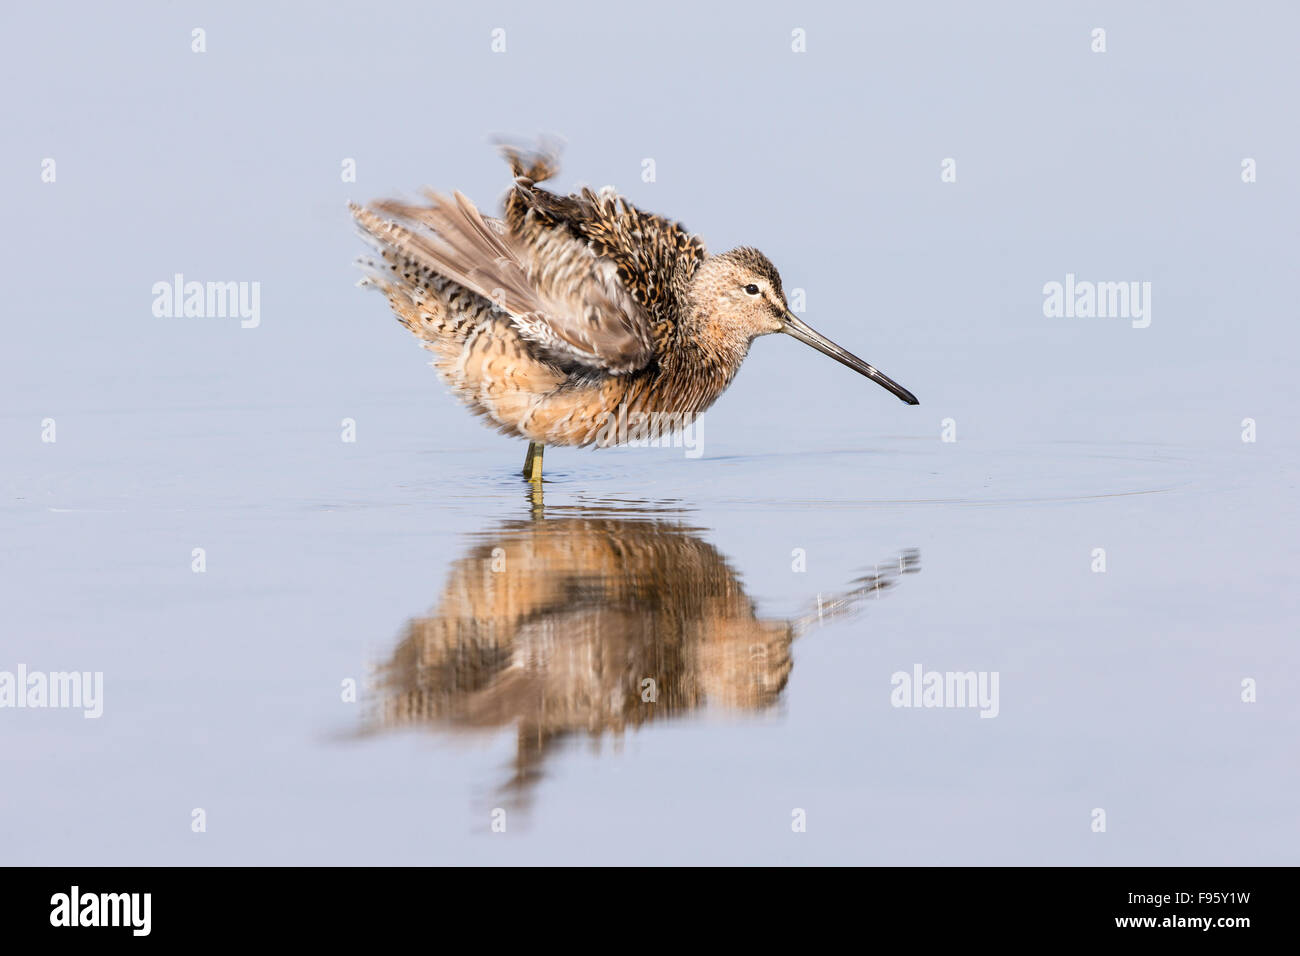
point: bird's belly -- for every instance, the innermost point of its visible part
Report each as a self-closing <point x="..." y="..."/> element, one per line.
<point x="574" y="414"/>
<point x="614" y="411"/>
<point x="495" y="374"/>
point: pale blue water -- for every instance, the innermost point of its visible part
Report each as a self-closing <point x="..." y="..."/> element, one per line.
<point x="1118" y="690"/>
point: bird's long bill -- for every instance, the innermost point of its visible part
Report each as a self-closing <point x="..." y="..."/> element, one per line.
<point x="801" y="331"/>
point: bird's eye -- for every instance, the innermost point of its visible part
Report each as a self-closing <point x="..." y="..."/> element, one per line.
<point x="751" y="289"/>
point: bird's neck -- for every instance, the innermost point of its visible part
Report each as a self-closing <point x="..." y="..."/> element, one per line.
<point x="701" y="365"/>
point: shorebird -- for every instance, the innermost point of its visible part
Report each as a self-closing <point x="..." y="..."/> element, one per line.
<point x="573" y="313"/>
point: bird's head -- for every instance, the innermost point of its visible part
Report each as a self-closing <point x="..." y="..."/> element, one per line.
<point x="737" y="296"/>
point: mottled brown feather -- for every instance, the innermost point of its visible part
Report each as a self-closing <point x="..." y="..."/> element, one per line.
<point x="595" y="324"/>
<point x="570" y="310"/>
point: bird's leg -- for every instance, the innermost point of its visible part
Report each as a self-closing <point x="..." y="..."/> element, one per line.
<point x="533" y="461"/>
<point x="537" y="511"/>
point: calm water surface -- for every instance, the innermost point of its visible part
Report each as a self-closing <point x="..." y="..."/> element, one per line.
<point x="501" y="643"/>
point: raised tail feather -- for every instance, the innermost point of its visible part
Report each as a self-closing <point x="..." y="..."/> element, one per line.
<point x="450" y="238"/>
<point x="589" y="321"/>
<point x="438" y="309"/>
<point x="441" y="285"/>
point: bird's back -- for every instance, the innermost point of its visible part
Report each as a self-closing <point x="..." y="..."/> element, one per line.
<point x="651" y="256"/>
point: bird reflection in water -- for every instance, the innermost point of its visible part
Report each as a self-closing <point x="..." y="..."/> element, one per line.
<point x="583" y="625"/>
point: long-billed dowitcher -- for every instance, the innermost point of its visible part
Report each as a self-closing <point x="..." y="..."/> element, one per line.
<point x="573" y="312"/>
